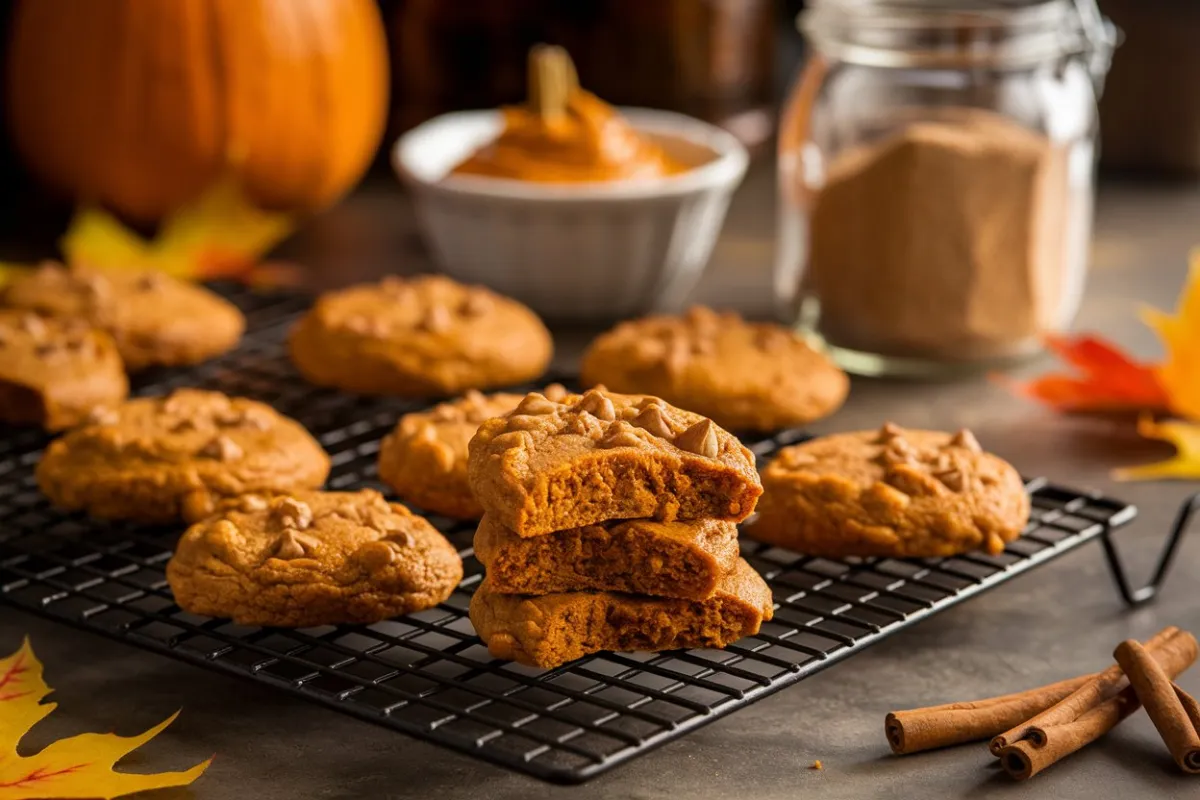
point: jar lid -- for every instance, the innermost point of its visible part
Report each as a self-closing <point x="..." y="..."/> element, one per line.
<point x="960" y="33"/>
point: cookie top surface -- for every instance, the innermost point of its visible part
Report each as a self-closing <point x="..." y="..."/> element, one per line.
<point x="188" y="440"/>
<point x="744" y="375"/>
<point x="891" y="491"/>
<point x="427" y="333"/>
<point x="187" y="425"/>
<point x="312" y="558"/>
<point x="891" y="454"/>
<point x="424" y="458"/>
<point x="46" y="353"/>
<point x="540" y="434"/>
<point x="445" y="429"/>
<point x="547" y="465"/>
<point x="339" y="538"/>
<point x="153" y="317"/>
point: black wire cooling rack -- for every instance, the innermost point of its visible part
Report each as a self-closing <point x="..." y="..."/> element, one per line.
<point x="427" y="674"/>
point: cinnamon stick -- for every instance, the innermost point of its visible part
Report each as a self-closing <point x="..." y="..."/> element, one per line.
<point x="956" y="723"/>
<point x="1090" y="712"/>
<point x="1173" y="711"/>
<point x="1103" y="686"/>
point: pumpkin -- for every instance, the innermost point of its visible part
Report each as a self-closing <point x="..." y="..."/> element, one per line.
<point x="141" y="105"/>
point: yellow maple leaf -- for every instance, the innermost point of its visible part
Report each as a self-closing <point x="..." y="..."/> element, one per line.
<point x="1185" y="464"/>
<point x="221" y="233"/>
<point x="1179" y="373"/>
<point x="78" y="767"/>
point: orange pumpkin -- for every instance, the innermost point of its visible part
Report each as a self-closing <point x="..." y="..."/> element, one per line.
<point x="140" y="105"/>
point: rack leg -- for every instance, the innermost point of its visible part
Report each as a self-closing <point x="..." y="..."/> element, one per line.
<point x="1141" y="596"/>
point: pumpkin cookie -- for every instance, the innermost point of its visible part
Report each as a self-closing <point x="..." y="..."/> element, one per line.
<point x="156" y="459"/>
<point x="154" y="319"/>
<point x="312" y="558"/>
<point x="665" y="559"/>
<point x="891" y="492"/>
<point x="424" y="459"/>
<point x="743" y="375"/>
<point x="55" y="372"/>
<point x="553" y="629"/>
<point x="547" y="466"/>
<point x="418" y="338"/>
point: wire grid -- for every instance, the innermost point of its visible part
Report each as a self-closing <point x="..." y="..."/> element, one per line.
<point x="427" y="674"/>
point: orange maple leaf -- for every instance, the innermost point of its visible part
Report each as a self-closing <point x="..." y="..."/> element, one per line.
<point x="1107" y="379"/>
<point x="1179" y="373"/>
<point x="78" y="767"/>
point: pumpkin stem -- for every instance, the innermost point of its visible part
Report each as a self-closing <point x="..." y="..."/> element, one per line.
<point x="552" y="79"/>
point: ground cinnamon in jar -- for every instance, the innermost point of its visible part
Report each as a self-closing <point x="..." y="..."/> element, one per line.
<point x="945" y="241"/>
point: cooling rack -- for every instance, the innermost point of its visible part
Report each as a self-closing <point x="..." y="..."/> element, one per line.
<point x="427" y="674"/>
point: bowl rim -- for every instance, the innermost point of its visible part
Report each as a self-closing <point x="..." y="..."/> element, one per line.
<point x="726" y="168"/>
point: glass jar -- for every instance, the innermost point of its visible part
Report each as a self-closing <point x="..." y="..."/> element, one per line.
<point x="936" y="178"/>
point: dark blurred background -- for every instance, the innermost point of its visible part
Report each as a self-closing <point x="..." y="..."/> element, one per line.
<point x="726" y="61"/>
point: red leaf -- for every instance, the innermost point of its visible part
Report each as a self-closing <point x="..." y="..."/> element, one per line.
<point x="1106" y="379"/>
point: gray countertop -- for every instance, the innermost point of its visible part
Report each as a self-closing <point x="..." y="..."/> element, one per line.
<point x="1060" y="620"/>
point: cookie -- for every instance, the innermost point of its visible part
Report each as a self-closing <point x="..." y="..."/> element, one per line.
<point x="665" y="559"/>
<point x="891" y="492"/>
<point x="549" y="630"/>
<point x="547" y="466"/>
<point x="154" y="319"/>
<point x="745" y="376"/>
<point x="424" y="459"/>
<point x="156" y="459"/>
<point x="312" y="558"/>
<point x="55" y="372"/>
<point x="422" y="337"/>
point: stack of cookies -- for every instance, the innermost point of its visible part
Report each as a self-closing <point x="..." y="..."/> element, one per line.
<point x="610" y="524"/>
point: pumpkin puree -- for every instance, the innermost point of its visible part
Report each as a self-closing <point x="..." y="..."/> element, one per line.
<point x="578" y="139"/>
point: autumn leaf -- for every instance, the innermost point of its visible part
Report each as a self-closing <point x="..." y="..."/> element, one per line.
<point x="220" y="234"/>
<point x="1185" y="464"/>
<point x="77" y="767"/>
<point x="1105" y="380"/>
<point x="1179" y="373"/>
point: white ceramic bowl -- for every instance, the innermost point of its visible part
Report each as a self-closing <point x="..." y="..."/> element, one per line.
<point x="594" y="251"/>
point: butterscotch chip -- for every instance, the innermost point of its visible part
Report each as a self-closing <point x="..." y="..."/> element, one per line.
<point x="664" y="559"/>
<point x="153" y="318"/>
<point x="221" y="448"/>
<point x="890" y="492"/>
<point x="378" y="563"/>
<point x="424" y="459"/>
<point x="743" y="375"/>
<point x="560" y="474"/>
<point x="418" y="338"/>
<point x="549" y="630"/>
<point x="55" y="374"/>
<point x="136" y="462"/>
